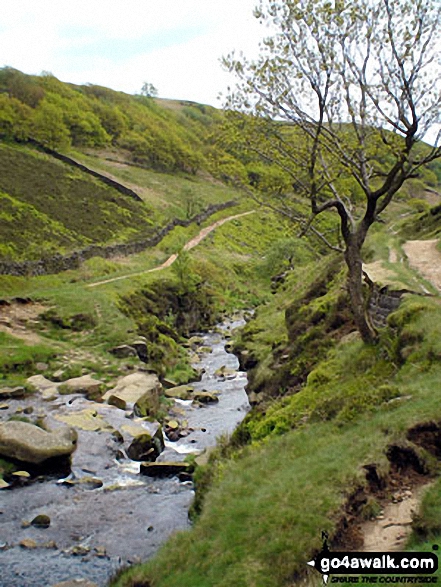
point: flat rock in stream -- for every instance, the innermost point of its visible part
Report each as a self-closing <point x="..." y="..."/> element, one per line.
<point x="205" y="397"/>
<point x="76" y="583"/>
<point x="30" y="444"/>
<point x="138" y="390"/>
<point x="164" y="469"/>
<point x="87" y="419"/>
<point x="179" y="392"/>
<point x="225" y="372"/>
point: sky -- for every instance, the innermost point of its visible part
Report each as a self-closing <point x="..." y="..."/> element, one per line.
<point x="176" y="45"/>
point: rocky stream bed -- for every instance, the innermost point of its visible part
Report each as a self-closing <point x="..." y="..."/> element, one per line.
<point x="104" y="512"/>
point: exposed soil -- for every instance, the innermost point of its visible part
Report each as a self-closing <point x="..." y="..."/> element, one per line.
<point x="391" y="529"/>
<point x="18" y="317"/>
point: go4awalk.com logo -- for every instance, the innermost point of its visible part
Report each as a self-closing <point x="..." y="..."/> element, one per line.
<point x="388" y="567"/>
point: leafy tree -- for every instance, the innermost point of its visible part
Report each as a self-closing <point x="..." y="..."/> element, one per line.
<point x="149" y="90"/>
<point x="14" y="118"/>
<point x="187" y="279"/>
<point x="48" y="126"/>
<point x="20" y="86"/>
<point x="341" y="96"/>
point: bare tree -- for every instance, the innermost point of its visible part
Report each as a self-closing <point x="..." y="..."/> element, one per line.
<point x="342" y="92"/>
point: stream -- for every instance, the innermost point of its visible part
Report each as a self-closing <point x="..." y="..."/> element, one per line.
<point x="112" y="516"/>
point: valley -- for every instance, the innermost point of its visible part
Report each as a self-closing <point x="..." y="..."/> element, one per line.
<point x="192" y="326"/>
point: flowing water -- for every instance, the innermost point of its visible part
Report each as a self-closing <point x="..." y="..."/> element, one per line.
<point x="116" y="516"/>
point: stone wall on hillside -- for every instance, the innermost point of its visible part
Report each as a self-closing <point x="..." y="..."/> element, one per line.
<point x="57" y="263"/>
<point x="122" y="189"/>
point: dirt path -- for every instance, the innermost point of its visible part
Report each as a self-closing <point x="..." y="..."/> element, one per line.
<point x="187" y="247"/>
<point x="390" y="531"/>
<point x="425" y="258"/>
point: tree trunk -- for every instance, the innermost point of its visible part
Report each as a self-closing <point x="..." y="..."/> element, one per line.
<point x="355" y="289"/>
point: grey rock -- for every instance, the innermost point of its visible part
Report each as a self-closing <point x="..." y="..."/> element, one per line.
<point x="123" y="351"/>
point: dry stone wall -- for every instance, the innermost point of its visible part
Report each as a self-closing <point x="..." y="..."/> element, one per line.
<point x="383" y="302"/>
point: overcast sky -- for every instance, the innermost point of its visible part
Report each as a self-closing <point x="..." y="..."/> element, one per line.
<point x="173" y="44"/>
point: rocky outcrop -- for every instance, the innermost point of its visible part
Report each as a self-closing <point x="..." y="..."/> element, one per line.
<point x="31" y="444"/>
<point x="384" y="301"/>
<point x="137" y="348"/>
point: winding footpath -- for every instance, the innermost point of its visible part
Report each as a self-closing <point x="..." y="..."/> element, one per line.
<point x="425" y="258"/>
<point x="187" y="247"/>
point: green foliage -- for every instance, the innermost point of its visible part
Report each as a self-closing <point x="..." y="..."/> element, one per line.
<point x="427" y="523"/>
<point x="162" y="135"/>
<point x="19" y="358"/>
<point x="149" y="90"/>
<point x="14" y="118"/>
<point x="425" y="225"/>
<point x="287" y="253"/>
<point x="48" y="126"/>
<point x="187" y="279"/>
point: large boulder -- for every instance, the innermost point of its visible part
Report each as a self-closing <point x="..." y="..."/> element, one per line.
<point x="138" y="391"/>
<point x="31" y="444"/>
